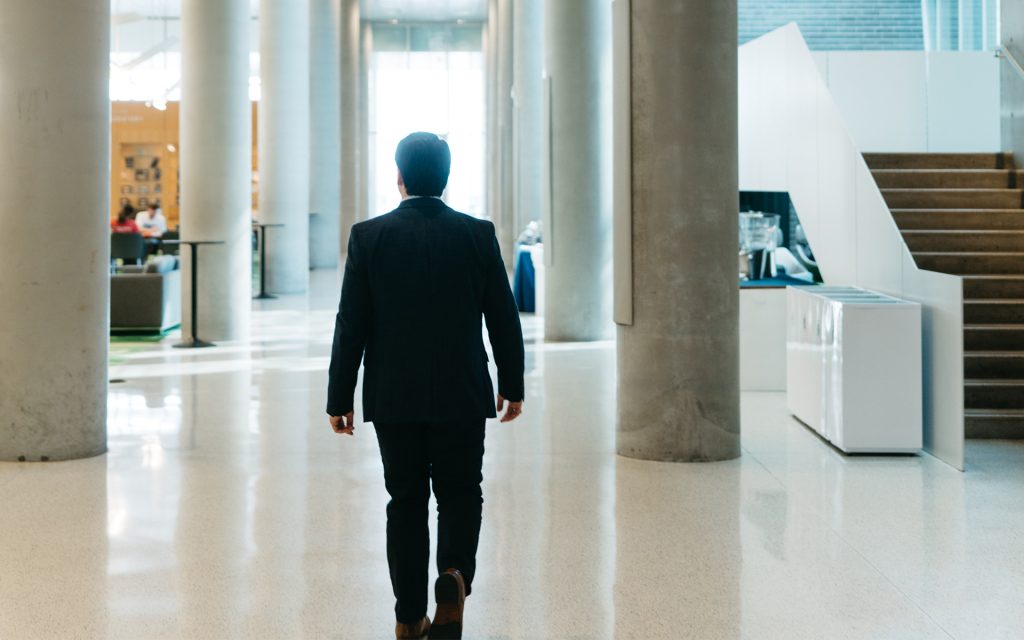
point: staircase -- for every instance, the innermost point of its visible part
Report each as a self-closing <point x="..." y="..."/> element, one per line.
<point x="963" y="214"/>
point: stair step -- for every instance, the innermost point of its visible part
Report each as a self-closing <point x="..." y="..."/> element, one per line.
<point x="989" y="287"/>
<point x="1001" y="311"/>
<point x="994" y="394"/>
<point x="939" y="160"/>
<point x="957" y="241"/>
<point x="991" y="423"/>
<point x="972" y="263"/>
<point x="921" y="219"/>
<point x="994" y="337"/>
<point x="954" y="198"/>
<point x="945" y="178"/>
<point x="994" y="364"/>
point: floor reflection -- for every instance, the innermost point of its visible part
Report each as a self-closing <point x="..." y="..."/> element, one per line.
<point x="226" y="508"/>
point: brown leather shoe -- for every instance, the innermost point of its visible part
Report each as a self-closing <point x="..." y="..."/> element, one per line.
<point x="412" y="631"/>
<point x="450" y="593"/>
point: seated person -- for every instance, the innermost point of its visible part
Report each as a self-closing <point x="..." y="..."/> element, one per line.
<point x="151" y="223"/>
<point x="125" y="222"/>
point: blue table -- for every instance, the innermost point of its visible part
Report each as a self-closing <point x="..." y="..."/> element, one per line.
<point x="524" y="282"/>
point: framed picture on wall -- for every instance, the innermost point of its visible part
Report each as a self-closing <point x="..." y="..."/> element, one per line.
<point x="143" y="190"/>
<point x="157" y="188"/>
<point x="141" y="175"/>
<point x="126" y="188"/>
<point x="129" y="162"/>
<point x="143" y="203"/>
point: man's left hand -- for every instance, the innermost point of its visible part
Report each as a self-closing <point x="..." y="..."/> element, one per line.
<point x="344" y="424"/>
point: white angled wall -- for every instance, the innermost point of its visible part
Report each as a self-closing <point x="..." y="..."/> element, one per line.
<point x="793" y="138"/>
<point x="916" y="101"/>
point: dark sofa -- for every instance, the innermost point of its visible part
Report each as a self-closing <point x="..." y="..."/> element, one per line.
<point x="146" y="299"/>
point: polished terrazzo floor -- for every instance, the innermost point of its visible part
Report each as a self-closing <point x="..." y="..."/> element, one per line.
<point x="226" y="508"/>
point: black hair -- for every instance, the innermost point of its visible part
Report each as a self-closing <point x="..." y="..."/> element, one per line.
<point x="127" y="212"/>
<point x="425" y="162"/>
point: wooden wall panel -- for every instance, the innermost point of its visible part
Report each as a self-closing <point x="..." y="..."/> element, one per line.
<point x="142" y="131"/>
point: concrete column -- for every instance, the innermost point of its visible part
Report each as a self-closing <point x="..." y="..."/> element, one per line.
<point x="325" y="133"/>
<point x="216" y="165"/>
<point x="577" y="234"/>
<point x="678" y="361"/>
<point x="528" y="94"/>
<point x="490" y="45"/>
<point x="284" y="141"/>
<point x="366" y="57"/>
<point x="54" y="230"/>
<point x="507" y="231"/>
<point x="350" y="155"/>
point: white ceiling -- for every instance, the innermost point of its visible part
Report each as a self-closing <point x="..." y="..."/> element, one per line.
<point x="376" y="10"/>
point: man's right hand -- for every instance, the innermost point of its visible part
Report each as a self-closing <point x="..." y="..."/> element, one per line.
<point x="515" y="409"/>
<point x="344" y="424"/>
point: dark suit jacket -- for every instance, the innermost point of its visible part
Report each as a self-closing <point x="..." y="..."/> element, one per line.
<point x="417" y="282"/>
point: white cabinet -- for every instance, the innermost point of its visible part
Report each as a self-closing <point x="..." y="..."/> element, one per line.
<point x="853" y="368"/>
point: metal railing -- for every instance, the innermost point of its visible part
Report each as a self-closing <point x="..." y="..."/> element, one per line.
<point x="1005" y="53"/>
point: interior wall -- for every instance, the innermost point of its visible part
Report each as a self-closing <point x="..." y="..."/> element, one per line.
<point x="793" y="138"/>
<point x="916" y="101"/>
<point x="135" y="123"/>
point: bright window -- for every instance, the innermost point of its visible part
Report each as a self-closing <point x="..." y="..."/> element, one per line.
<point x="428" y="90"/>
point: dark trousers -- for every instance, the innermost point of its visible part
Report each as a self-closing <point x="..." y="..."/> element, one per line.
<point x="449" y="456"/>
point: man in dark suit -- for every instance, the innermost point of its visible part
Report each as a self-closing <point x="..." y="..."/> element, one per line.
<point x="417" y="282"/>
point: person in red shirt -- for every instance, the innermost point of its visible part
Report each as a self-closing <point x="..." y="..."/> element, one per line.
<point x="125" y="222"/>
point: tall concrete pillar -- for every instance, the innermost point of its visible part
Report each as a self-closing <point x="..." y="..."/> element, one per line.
<point x="216" y="164"/>
<point x="325" y="133"/>
<point x="577" y="233"/>
<point x="493" y="173"/>
<point x="365" y="60"/>
<point x="54" y="231"/>
<point x="506" y="222"/>
<point x="284" y="141"/>
<point x="528" y="94"/>
<point x="351" y="33"/>
<point x="677" y="299"/>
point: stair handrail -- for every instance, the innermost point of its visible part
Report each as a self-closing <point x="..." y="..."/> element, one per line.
<point x="1002" y="51"/>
